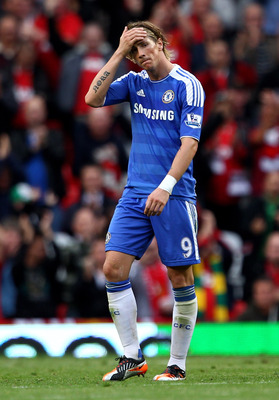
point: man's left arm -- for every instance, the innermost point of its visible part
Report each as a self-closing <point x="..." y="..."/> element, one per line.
<point x="157" y="200"/>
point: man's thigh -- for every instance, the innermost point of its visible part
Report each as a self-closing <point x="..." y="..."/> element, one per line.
<point x="130" y="231"/>
<point x="176" y="233"/>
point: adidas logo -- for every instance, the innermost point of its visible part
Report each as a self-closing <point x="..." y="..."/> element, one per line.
<point x="140" y="93"/>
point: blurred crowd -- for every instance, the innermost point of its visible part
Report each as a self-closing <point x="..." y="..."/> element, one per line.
<point x="63" y="164"/>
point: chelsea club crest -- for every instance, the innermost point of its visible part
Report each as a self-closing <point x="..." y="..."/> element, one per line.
<point x="168" y="96"/>
<point x="108" y="237"/>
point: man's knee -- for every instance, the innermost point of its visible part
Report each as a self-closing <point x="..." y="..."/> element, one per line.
<point x="111" y="271"/>
<point x="117" y="266"/>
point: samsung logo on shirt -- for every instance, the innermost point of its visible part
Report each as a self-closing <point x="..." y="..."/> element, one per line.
<point x="162" y="115"/>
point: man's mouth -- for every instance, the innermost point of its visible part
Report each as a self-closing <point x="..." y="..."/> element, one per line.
<point x="144" y="61"/>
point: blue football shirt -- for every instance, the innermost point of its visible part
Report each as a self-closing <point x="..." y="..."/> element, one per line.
<point x="162" y="112"/>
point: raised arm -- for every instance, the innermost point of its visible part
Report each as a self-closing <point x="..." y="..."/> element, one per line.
<point x="96" y="94"/>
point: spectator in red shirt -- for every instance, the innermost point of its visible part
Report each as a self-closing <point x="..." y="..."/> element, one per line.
<point x="56" y="30"/>
<point x="198" y="10"/>
<point x="264" y="140"/>
<point x="213" y="29"/>
<point x="165" y="14"/>
<point x="22" y="81"/>
<point x="224" y="150"/>
<point x="68" y="22"/>
<point x="79" y="66"/>
<point x="223" y="73"/>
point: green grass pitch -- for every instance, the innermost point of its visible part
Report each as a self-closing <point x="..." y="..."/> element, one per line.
<point x="68" y="378"/>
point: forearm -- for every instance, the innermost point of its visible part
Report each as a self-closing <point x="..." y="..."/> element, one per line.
<point x="180" y="164"/>
<point x="98" y="89"/>
<point x="157" y="200"/>
<point x="96" y="94"/>
<point x="183" y="157"/>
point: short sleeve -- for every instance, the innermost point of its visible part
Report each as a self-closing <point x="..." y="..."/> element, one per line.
<point x="118" y="91"/>
<point x="192" y="110"/>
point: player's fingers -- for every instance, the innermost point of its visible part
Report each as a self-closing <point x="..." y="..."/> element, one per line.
<point x="147" y="211"/>
<point x="136" y="34"/>
<point x="148" y="208"/>
<point x="158" y="209"/>
<point x="153" y="208"/>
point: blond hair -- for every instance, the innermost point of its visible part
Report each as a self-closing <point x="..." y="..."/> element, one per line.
<point x="153" y="32"/>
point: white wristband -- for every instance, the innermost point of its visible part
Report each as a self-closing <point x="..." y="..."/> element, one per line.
<point x="168" y="183"/>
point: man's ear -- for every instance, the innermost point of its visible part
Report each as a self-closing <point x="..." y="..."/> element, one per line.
<point x="160" y="44"/>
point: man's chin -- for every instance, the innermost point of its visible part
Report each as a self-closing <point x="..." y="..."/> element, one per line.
<point x="145" y="64"/>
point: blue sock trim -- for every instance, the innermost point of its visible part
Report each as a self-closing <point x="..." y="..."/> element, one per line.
<point x="118" y="286"/>
<point x="140" y="355"/>
<point x="186" y="293"/>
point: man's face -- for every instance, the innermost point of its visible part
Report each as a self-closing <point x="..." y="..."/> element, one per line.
<point x="263" y="293"/>
<point x="272" y="249"/>
<point x="146" y="53"/>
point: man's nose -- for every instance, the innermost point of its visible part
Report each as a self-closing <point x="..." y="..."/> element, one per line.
<point x="141" y="53"/>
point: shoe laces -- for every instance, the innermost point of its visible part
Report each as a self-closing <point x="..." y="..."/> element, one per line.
<point x="124" y="363"/>
<point x="121" y="360"/>
<point x="174" y="370"/>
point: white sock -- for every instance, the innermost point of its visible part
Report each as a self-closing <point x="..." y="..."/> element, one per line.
<point x="183" y="324"/>
<point x="123" y="309"/>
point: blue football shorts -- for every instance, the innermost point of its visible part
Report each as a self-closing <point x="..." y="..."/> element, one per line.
<point x="131" y="231"/>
